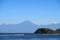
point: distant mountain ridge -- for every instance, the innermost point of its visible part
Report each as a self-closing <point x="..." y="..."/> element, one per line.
<point x="25" y="27"/>
<point x="51" y="26"/>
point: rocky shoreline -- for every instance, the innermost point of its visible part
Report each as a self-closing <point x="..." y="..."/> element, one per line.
<point x="47" y="31"/>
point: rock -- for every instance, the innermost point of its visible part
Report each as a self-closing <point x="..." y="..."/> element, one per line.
<point x="58" y="30"/>
<point x="44" y="31"/>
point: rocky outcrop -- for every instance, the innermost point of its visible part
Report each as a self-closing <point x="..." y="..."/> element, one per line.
<point x="43" y="31"/>
<point x="46" y="31"/>
<point x="57" y="30"/>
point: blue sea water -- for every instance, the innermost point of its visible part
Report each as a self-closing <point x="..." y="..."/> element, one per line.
<point x="35" y="39"/>
<point x="31" y="37"/>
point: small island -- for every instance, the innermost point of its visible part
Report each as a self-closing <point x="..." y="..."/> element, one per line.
<point x="47" y="31"/>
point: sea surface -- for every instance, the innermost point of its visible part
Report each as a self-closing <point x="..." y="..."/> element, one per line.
<point x="29" y="36"/>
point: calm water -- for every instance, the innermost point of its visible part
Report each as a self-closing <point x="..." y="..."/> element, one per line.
<point x="31" y="37"/>
<point x="35" y="39"/>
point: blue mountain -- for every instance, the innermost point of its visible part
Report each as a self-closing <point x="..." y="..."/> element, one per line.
<point x="51" y="26"/>
<point x="24" y="27"/>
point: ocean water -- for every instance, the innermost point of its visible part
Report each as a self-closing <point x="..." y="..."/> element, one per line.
<point x="31" y="37"/>
<point x="35" y="39"/>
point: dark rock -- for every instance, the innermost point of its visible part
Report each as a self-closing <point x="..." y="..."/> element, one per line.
<point x="58" y="30"/>
<point x="44" y="31"/>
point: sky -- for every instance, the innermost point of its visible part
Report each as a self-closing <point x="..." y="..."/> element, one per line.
<point x="37" y="11"/>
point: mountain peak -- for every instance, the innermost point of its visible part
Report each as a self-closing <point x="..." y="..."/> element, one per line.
<point x="27" y="21"/>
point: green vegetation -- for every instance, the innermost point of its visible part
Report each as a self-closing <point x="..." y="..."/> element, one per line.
<point x="47" y="31"/>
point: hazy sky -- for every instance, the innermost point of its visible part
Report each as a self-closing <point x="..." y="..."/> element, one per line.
<point x="37" y="11"/>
